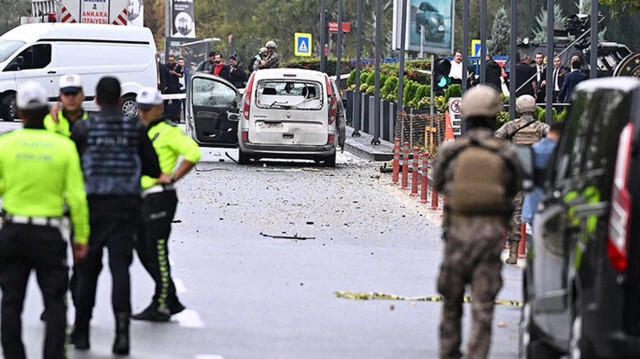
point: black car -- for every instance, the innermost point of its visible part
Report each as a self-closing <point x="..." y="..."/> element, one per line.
<point x="582" y="281"/>
<point x="432" y="20"/>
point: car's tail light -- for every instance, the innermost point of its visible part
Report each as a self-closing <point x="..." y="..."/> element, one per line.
<point x="333" y="98"/>
<point x="245" y="136"/>
<point x="52" y="17"/>
<point x="332" y="139"/>
<point x="620" y="217"/>
<point x="246" y="108"/>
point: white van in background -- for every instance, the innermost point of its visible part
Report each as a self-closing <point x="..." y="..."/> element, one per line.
<point x="44" y="52"/>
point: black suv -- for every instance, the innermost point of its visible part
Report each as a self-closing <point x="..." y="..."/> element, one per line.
<point x="582" y="281"/>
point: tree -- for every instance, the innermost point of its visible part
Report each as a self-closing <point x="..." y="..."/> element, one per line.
<point x="499" y="42"/>
<point x="622" y="6"/>
<point x="12" y="11"/>
<point x="540" y="34"/>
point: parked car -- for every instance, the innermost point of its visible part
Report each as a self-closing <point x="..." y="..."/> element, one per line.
<point x="582" y="280"/>
<point x="211" y="113"/>
<point x="432" y="20"/>
<point x="44" y="52"/>
<point x="289" y="113"/>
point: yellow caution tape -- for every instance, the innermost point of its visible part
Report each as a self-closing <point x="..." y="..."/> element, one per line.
<point x="433" y="298"/>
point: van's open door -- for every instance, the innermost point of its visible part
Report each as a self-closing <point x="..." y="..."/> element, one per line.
<point x="212" y="111"/>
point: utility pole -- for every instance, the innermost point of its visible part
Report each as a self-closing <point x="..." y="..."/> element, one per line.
<point x="323" y="35"/>
<point x="167" y="27"/>
<point x="357" y="104"/>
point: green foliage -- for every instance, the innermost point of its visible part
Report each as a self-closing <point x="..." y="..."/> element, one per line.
<point x="409" y="92"/>
<point x="562" y="115"/>
<point x="540" y="114"/>
<point x="371" y="79"/>
<point x="540" y="34"/>
<point x="351" y="80"/>
<point x="423" y="91"/>
<point x="454" y="90"/>
<point x="503" y="117"/>
<point x="390" y="86"/>
<point x="499" y="42"/>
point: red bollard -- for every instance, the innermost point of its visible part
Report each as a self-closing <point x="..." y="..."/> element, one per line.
<point x="396" y="160"/>
<point x="414" y="171"/>
<point x="425" y="178"/>
<point x="522" y="246"/>
<point x="434" y="198"/>
<point x="405" y="165"/>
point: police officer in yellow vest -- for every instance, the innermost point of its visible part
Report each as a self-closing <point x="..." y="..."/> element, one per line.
<point x="39" y="172"/>
<point x="159" y="202"/>
<point x="71" y="97"/>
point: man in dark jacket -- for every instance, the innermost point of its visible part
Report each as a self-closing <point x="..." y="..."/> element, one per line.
<point x="236" y="72"/>
<point x="572" y="79"/>
<point x="525" y="78"/>
<point x="115" y="152"/>
<point x="206" y="66"/>
<point x="494" y="72"/>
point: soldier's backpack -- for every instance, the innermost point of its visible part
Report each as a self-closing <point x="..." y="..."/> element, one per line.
<point x="478" y="179"/>
<point x="526" y="134"/>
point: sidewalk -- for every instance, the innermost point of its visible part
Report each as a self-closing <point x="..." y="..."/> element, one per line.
<point x="361" y="146"/>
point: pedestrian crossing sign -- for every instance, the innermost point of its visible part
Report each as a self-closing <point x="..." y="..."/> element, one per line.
<point x="302" y="43"/>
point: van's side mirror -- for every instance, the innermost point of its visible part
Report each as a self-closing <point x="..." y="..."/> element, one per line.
<point x="525" y="155"/>
<point x="16" y="64"/>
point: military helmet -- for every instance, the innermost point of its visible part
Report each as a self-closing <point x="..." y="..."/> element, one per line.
<point x="481" y="101"/>
<point x="263" y="50"/>
<point x="525" y="104"/>
<point x="271" y="44"/>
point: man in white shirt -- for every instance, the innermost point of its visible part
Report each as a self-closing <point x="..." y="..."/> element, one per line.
<point x="456" y="69"/>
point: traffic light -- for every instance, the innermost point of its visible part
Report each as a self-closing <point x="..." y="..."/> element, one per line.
<point x="442" y="68"/>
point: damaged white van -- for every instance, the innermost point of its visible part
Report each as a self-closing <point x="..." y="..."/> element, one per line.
<point x="289" y="113"/>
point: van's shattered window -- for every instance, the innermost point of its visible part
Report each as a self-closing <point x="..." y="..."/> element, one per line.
<point x="211" y="93"/>
<point x="285" y="94"/>
<point x="8" y="47"/>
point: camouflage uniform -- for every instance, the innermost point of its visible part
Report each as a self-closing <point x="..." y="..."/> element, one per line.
<point x="272" y="60"/>
<point x="473" y="244"/>
<point x="506" y="132"/>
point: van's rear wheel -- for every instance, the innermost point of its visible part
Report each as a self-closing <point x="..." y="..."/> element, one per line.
<point x="330" y="161"/>
<point x="8" y="107"/>
<point x="243" y="158"/>
<point x="129" y="106"/>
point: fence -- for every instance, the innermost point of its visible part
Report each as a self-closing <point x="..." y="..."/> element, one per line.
<point x="412" y="126"/>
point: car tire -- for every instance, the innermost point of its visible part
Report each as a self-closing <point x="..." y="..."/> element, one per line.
<point x="8" y="107"/>
<point x="578" y="346"/>
<point x="129" y="105"/>
<point x="329" y="161"/>
<point x="243" y="158"/>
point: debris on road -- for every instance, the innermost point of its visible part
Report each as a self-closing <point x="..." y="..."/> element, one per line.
<point x="294" y="237"/>
<point x="433" y="298"/>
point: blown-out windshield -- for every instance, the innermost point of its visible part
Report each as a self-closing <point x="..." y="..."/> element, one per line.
<point x="289" y="94"/>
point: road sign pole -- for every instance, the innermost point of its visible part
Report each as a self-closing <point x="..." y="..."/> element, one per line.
<point x="549" y="75"/>
<point x="483" y="40"/>
<point x="323" y="35"/>
<point x="593" y="56"/>
<point x="339" y="44"/>
<point x="512" y="60"/>
<point x="357" y="104"/>
<point x="376" y="116"/>
<point x="403" y="41"/>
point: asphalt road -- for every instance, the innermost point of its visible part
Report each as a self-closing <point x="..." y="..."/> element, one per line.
<point x="250" y="295"/>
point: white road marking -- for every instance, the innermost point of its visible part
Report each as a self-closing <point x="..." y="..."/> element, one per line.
<point x="180" y="288"/>
<point x="208" y="356"/>
<point x="189" y="319"/>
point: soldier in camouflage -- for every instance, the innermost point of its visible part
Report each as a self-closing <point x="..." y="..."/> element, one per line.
<point x="479" y="175"/>
<point x="271" y="60"/>
<point x="525" y="130"/>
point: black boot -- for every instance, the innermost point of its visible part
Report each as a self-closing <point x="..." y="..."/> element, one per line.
<point x="121" y="343"/>
<point x="80" y="334"/>
<point x="153" y="313"/>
